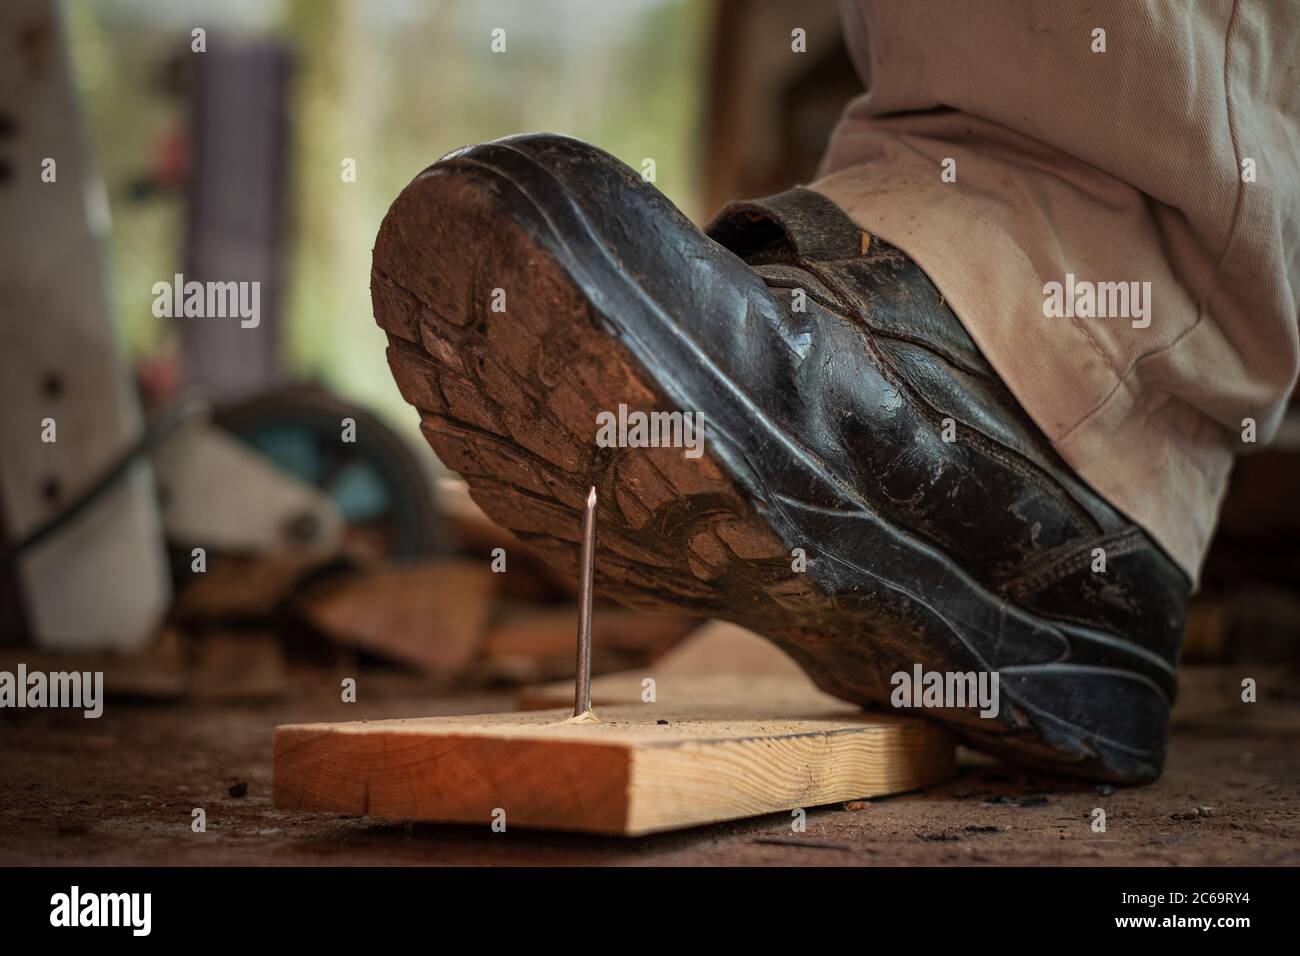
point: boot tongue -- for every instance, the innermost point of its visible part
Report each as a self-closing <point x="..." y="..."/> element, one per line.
<point x="799" y="239"/>
<point x="795" y="224"/>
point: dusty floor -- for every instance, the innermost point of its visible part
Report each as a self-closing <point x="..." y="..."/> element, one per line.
<point x="120" y="790"/>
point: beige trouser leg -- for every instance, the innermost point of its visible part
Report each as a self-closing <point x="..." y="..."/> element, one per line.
<point x="1022" y="167"/>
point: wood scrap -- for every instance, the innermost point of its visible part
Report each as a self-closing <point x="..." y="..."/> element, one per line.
<point x="720" y="647"/>
<point x="242" y="589"/>
<point x="431" y="615"/>
<point x="234" y="666"/>
<point x="532" y="644"/>
<point x="714" y="663"/>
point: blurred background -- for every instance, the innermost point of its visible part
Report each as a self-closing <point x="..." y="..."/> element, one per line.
<point x="203" y="510"/>
<point x="199" y="527"/>
<point x="289" y="89"/>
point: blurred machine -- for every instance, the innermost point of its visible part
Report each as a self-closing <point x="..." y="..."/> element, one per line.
<point x="380" y="489"/>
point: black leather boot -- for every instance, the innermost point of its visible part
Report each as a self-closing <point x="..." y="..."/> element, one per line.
<point x="869" y="496"/>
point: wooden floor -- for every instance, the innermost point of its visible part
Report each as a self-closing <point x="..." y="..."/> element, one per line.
<point x="121" y="790"/>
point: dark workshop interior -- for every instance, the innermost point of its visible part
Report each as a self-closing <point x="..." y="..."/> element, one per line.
<point x="280" y="546"/>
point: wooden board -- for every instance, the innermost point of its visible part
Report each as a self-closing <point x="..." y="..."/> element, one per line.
<point x="636" y="771"/>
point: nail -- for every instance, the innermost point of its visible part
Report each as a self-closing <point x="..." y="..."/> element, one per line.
<point x="582" y="683"/>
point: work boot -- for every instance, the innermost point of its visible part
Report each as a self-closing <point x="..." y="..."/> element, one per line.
<point x="867" y="493"/>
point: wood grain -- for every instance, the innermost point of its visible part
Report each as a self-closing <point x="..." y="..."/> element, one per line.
<point x="628" y="774"/>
